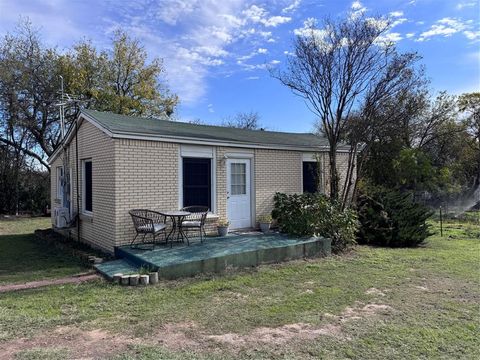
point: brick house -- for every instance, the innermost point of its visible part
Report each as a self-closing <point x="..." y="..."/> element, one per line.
<point x="130" y="162"/>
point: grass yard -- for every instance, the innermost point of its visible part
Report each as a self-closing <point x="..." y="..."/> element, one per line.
<point x="23" y="258"/>
<point x="373" y="303"/>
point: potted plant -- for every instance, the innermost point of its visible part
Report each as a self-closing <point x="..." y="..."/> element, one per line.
<point x="265" y="221"/>
<point x="222" y="227"/>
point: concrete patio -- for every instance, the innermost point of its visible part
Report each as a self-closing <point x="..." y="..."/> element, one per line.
<point x="215" y="254"/>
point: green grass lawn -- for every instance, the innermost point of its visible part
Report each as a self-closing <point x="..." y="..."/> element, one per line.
<point x="24" y="258"/>
<point x="425" y="304"/>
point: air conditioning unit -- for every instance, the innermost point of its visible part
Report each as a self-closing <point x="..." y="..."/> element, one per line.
<point x="62" y="217"/>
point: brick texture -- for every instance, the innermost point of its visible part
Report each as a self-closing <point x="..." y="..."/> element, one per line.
<point x="98" y="230"/>
<point x="276" y="171"/>
<point x="146" y="177"/>
<point x="130" y="174"/>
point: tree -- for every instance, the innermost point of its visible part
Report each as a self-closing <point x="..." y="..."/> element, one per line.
<point x="28" y="93"/>
<point x="120" y="81"/>
<point x="469" y="104"/>
<point x="345" y="66"/>
<point x="243" y="120"/>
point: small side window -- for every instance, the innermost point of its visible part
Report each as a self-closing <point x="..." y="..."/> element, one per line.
<point x="60" y="183"/>
<point x="87" y="186"/>
<point x="310" y="177"/>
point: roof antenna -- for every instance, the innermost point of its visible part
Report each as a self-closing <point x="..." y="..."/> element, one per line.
<point x="62" y="109"/>
<point x="65" y="101"/>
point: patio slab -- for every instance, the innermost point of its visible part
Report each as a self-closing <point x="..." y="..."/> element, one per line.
<point x="216" y="254"/>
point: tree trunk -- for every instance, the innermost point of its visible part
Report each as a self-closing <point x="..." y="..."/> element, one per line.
<point x="333" y="172"/>
<point x="347" y="187"/>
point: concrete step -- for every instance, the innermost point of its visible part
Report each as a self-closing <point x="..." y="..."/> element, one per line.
<point x="123" y="266"/>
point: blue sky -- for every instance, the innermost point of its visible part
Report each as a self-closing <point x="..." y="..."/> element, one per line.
<point x="216" y="52"/>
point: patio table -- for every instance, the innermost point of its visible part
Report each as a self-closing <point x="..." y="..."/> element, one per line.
<point x="177" y="217"/>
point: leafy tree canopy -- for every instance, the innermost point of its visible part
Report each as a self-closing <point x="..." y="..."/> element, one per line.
<point x="120" y="79"/>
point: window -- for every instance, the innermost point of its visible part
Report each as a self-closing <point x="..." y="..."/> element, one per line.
<point x="197" y="182"/>
<point x="310" y="177"/>
<point x="59" y="183"/>
<point x="238" y="179"/>
<point x="87" y="186"/>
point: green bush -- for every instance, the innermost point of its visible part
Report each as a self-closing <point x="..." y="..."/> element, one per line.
<point x="391" y="218"/>
<point x="315" y="214"/>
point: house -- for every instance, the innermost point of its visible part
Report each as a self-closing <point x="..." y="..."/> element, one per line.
<point x="109" y="164"/>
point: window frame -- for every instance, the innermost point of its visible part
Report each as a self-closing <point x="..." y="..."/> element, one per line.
<point x="84" y="210"/>
<point x="59" y="195"/>
<point x="319" y="159"/>
<point x="210" y="174"/>
<point x="315" y="180"/>
<point x="198" y="151"/>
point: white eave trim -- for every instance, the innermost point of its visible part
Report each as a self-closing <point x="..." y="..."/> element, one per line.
<point x="184" y="140"/>
<point x="71" y="132"/>
<point x="210" y="142"/>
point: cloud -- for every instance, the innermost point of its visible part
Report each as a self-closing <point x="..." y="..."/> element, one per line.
<point x="390" y="37"/>
<point x="398" y="22"/>
<point x="377" y="23"/>
<point x="264" y="66"/>
<point x="210" y="108"/>
<point x="396" y="13"/>
<point x="357" y="9"/>
<point x="257" y="14"/>
<point x="472" y="35"/>
<point x="357" y="6"/>
<point x="292" y="7"/>
<point x="447" y="27"/>
<point x="463" y="5"/>
<point x="198" y="38"/>
<point x="252" y="78"/>
<point x="409" y="35"/>
<point x="174" y="11"/>
<point x="308" y="25"/>
<point x="252" y="54"/>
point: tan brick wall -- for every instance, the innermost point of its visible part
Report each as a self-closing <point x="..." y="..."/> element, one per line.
<point x="276" y="171"/>
<point x="342" y="167"/>
<point x="99" y="229"/>
<point x="146" y="177"/>
<point x="131" y="174"/>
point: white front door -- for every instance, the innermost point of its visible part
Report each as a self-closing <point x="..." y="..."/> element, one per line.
<point x="238" y="193"/>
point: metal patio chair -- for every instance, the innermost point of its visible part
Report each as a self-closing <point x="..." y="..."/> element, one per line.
<point x="196" y="219"/>
<point x="148" y="222"/>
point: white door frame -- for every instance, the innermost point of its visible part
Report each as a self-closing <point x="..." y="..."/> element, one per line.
<point x="250" y="188"/>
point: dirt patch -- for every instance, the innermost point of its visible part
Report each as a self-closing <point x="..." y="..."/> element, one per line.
<point x="423" y="288"/>
<point x="80" y="344"/>
<point x="98" y="343"/>
<point x="41" y="283"/>
<point x="301" y="331"/>
<point x="278" y="335"/>
<point x="177" y="336"/>
<point x="358" y="311"/>
<point x="375" y="292"/>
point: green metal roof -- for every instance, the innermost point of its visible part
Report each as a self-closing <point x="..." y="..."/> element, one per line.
<point x="140" y="126"/>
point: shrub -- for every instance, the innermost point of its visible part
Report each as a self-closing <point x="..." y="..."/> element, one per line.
<point x="315" y="214"/>
<point x="391" y="218"/>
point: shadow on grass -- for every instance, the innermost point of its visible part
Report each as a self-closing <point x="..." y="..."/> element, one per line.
<point x="24" y="258"/>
